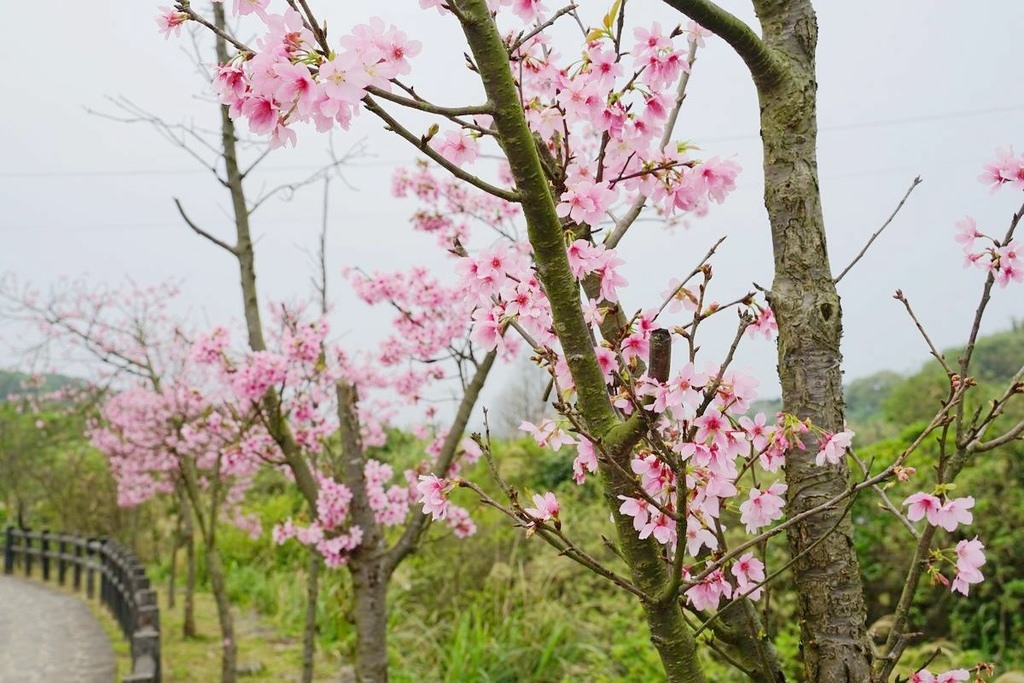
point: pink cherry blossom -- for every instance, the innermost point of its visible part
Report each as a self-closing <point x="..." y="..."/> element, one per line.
<point x="970" y="556"/>
<point x="833" y="447"/>
<point x="170" y="21"/>
<point x="707" y="594"/>
<point x="434" y="495"/>
<point x="954" y="512"/>
<point x="457" y="147"/>
<point x="763" y="507"/>
<point x="546" y="507"/>
<point x="922" y="505"/>
<point x="749" y="571"/>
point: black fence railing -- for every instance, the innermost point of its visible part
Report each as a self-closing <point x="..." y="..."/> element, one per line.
<point x="123" y="586"/>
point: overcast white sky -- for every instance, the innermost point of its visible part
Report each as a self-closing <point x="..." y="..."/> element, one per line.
<point x="907" y="87"/>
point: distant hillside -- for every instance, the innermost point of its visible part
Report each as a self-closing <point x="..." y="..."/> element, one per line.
<point x="882" y="404"/>
<point x="13" y="382"/>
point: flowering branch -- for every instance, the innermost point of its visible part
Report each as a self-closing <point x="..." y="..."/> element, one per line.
<point x="421" y="144"/>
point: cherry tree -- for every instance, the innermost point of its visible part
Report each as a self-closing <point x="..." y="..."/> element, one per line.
<point x="158" y="439"/>
<point x="355" y="517"/>
<point x="585" y="149"/>
<point x="129" y="339"/>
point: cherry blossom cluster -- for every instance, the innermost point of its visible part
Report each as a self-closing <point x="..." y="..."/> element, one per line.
<point x="127" y="326"/>
<point x="602" y="113"/>
<point x="433" y="494"/>
<point x="947" y="514"/>
<point x="328" y="533"/>
<point x="700" y="415"/>
<point x="1000" y="258"/>
<point x="970" y="556"/>
<point x="430" y="318"/>
<point x="289" y="80"/>
<point x="1003" y="261"/>
<point x="926" y="676"/>
<point x="450" y="206"/>
<point x="151" y="436"/>
<point x="301" y="368"/>
<point x="1006" y="169"/>
<point x="703" y="431"/>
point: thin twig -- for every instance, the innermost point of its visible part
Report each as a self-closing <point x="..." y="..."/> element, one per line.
<point x="186" y="7"/>
<point x="917" y="181"/>
<point x="899" y="296"/>
<point x="525" y="38"/>
<point x="202" y="233"/>
<point x="374" y="108"/>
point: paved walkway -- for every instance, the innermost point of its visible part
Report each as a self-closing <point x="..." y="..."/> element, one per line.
<point x="47" y="636"/>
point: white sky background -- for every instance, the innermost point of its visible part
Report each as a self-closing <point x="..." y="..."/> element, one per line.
<point x="907" y="87"/>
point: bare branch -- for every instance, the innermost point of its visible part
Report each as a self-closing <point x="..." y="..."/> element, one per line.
<point x="186" y="7"/>
<point x="899" y="296"/>
<point x="540" y="28"/>
<point x="202" y="233"/>
<point x="418" y="103"/>
<point x="765" y="67"/>
<point x="917" y="181"/>
<point x="176" y="134"/>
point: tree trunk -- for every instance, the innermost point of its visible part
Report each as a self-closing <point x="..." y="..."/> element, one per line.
<point x="188" y="540"/>
<point x="309" y="633"/>
<point x="229" y="648"/>
<point x="188" y="624"/>
<point x="806" y="306"/>
<point x="370" y="589"/>
<point x="172" y="579"/>
<point x="368" y="561"/>
<point x="669" y="633"/>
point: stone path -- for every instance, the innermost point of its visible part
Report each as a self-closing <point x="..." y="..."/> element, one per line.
<point x="47" y="636"/>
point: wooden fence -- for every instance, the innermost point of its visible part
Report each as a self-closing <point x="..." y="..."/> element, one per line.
<point x="123" y="586"/>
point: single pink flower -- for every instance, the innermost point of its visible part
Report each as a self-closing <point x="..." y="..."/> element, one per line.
<point x="547" y="507"/>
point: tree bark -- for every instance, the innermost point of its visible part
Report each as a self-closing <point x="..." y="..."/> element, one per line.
<point x="669" y="633"/>
<point x="172" y="579"/>
<point x="215" y="569"/>
<point x="370" y="590"/>
<point x="803" y="297"/>
<point x="807" y="308"/>
<point x="309" y="632"/>
<point x="229" y="648"/>
<point x="188" y="540"/>
<point x="188" y="623"/>
<point x="368" y="561"/>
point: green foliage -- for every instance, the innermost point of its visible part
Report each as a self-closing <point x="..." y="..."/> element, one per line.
<point x="50" y="476"/>
<point x="988" y="624"/>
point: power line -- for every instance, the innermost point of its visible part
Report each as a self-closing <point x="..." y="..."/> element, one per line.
<point x="886" y="123"/>
<point x="176" y="171"/>
<point x="834" y="128"/>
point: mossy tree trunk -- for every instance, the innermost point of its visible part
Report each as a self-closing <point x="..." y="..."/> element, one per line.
<point x="803" y="296"/>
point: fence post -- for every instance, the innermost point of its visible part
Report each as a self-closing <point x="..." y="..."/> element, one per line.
<point x="148" y="610"/>
<point x="102" y="553"/>
<point x="9" y="551"/>
<point x="45" y="550"/>
<point x="124" y="587"/>
<point x="26" y="551"/>
<point x="62" y="562"/>
<point x="90" y="569"/>
<point x="76" y="571"/>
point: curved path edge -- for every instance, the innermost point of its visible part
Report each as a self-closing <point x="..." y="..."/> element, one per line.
<point x="48" y="636"/>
